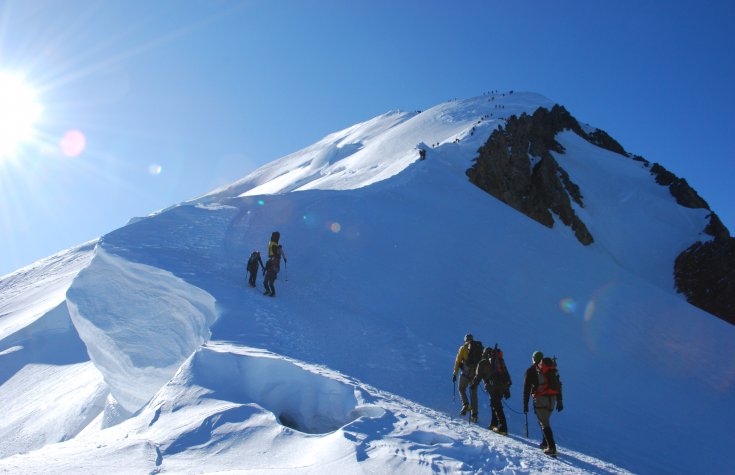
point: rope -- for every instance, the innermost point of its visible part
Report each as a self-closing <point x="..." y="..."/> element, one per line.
<point x="511" y="409"/>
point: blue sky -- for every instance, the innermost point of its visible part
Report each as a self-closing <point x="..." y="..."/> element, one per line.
<point x="175" y="98"/>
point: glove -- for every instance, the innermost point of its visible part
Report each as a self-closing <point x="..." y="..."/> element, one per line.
<point x="559" y="406"/>
<point x="454" y="378"/>
<point x="506" y="395"/>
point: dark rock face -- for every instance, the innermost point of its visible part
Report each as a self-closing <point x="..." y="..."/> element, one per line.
<point x="600" y="138"/>
<point x="504" y="169"/>
<point x="516" y="166"/>
<point x="679" y="188"/>
<point x="705" y="274"/>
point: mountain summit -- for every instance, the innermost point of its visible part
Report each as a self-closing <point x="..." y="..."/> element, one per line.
<point x="146" y="351"/>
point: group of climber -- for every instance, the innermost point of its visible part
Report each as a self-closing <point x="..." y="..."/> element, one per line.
<point x="476" y="364"/>
<point x="271" y="268"/>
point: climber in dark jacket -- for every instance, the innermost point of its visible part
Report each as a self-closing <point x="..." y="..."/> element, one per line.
<point x="252" y="267"/>
<point x="493" y="372"/>
<point x="542" y="380"/>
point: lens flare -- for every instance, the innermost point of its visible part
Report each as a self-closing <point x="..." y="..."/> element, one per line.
<point x="155" y="169"/>
<point x="73" y="143"/>
<point x="568" y="305"/>
<point x="335" y="227"/>
<point x="261" y="202"/>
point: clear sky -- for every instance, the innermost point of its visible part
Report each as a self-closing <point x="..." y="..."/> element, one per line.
<point x="144" y="104"/>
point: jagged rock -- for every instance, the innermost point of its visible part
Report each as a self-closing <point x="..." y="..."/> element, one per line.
<point x="679" y="188"/>
<point x="705" y="274"/>
<point x="716" y="228"/>
<point x="504" y="169"/>
<point x="600" y="138"/>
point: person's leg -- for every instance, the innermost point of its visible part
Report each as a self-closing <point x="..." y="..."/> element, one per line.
<point x="464" y="381"/>
<point x="498" y="413"/>
<point x="544" y="406"/>
<point x="473" y="403"/>
<point x="494" y="420"/>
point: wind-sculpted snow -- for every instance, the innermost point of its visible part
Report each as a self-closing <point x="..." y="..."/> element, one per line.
<point x="139" y="324"/>
<point x="233" y="408"/>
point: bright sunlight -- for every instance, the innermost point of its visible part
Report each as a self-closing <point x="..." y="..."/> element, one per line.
<point x="19" y="112"/>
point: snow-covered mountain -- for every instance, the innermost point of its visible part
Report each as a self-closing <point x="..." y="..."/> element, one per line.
<point x="146" y="351"/>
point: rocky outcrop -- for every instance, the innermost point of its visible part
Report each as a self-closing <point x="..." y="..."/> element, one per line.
<point x="516" y="166"/>
<point x="679" y="188"/>
<point x="705" y="274"/>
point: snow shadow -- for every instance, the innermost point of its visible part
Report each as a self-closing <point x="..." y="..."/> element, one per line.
<point x="301" y="399"/>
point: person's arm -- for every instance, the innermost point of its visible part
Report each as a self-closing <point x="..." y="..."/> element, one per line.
<point x="527" y="384"/>
<point x="461" y="354"/>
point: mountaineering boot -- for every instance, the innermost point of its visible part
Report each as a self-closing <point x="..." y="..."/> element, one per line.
<point x="473" y="418"/>
<point x="543" y="444"/>
<point x="492" y="427"/>
<point x="464" y="410"/>
<point x="549" y="437"/>
<point x="501" y="431"/>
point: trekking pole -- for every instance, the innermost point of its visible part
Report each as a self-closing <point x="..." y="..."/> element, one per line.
<point x="526" y="414"/>
<point x="454" y="393"/>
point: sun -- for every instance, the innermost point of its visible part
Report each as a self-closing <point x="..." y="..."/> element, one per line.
<point x="19" y="112"/>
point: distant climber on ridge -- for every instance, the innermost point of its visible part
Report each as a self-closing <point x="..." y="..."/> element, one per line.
<point x="468" y="355"/>
<point x="252" y="267"/>
<point x="272" y="267"/>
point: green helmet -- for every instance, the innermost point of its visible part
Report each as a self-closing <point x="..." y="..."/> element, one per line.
<point x="537" y="357"/>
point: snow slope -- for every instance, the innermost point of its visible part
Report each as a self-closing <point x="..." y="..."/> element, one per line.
<point x="390" y="262"/>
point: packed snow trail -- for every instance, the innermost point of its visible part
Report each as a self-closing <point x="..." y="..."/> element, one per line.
<point x="229" y="404"/>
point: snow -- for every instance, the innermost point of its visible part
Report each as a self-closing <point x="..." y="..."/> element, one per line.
<point x="156" y="357"/>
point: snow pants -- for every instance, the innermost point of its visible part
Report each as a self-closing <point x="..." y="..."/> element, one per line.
<point x="251" y="279"/>
<point x="543" y="406"/>
<point x="465" y="381"/>
<point x="496" y="404"/>
<point x="269" y="283"/>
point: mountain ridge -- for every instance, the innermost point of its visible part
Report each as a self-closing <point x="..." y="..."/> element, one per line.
<point x="384" y="277"/>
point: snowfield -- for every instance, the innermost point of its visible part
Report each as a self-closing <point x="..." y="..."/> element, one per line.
<point x="147" y="352"/>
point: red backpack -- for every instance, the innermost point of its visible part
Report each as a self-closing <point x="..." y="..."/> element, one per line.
<point x="549" y="383"/>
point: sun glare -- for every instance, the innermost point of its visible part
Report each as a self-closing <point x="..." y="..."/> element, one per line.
<point x="19" y="112"/>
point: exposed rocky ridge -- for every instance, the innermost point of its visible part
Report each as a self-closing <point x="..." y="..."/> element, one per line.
<point x="516" y="166"/>
<point x="705" y="274"/>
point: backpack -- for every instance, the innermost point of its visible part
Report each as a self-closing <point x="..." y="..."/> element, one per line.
<point x="499" y="376"/>
<point x="474" y="353"/>
<point x="273" y="244"/>
<point x="549" y="383"/>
